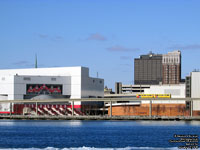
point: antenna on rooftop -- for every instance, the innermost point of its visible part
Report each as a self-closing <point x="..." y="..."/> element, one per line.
<point x="36" y="66"/>
<point x="97" y="75"/>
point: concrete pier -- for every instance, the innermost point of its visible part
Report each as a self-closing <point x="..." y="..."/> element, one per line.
<point x="10" y="108"/>
<point x="110" y="108"/>
<point x="36" y="107"/>
<point x="72" y="108"/>
<point x="38" y="117"/>
<point x="150" y="108"/>
<point x="191" y="108"/>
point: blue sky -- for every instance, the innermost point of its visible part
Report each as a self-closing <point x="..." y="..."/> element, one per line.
<point x="103" y="35"/>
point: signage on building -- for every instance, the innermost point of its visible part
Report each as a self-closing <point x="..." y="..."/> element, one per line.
<point x="47" y="89"/>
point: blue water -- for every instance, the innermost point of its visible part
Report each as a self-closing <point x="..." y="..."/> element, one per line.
<point x="109" y="135"/>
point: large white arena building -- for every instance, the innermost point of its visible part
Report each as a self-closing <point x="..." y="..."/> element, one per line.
<point x="60" y="82"/>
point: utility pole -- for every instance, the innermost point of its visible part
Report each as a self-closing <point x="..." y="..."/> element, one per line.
<point x="36" y="66"/>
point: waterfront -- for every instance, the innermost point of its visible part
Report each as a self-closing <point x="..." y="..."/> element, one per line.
<point x="32" y="134"/>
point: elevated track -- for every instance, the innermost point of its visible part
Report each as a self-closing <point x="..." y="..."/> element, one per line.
<point x="109" y="104"/>
<point x="95" y="99"/>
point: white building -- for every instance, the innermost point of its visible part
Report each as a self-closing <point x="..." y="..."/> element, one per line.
<point x="195" y="89"/>
<point x="129" y="88"/>
<point x="176" y="90"/>
<point x="61" y="82"/>
<point x="195" y="84"/>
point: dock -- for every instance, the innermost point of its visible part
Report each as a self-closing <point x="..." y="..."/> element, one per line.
<point x="106" y="117"/>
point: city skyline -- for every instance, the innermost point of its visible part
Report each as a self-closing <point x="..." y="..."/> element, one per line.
<point x="103" y="36"/>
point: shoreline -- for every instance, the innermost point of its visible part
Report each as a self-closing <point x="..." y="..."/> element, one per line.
<point x="164" y="118"/>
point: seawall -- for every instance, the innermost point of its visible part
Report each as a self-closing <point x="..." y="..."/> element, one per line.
<point x="32" y="117"/>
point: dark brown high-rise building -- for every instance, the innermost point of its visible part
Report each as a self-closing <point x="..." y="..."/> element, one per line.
<point x="156" y="68"/>
<point x="171" y="67"/>
<point x="148" y="69"/>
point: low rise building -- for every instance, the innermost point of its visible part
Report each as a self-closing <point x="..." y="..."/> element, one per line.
<point x="176" y="90"/>
<point x="193" y="88"/>
<point x="134" y="89"/>
<point x="188" y="86"/>
<point x="129" y="88"/>
<point x="159" y="107"/>
<point x="60" y="82"/>
<point x="195" y="84"/>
